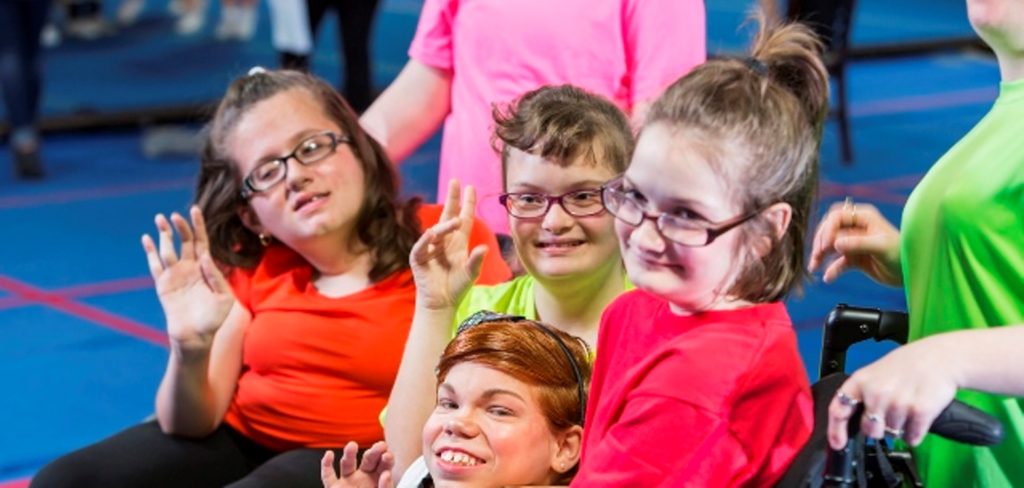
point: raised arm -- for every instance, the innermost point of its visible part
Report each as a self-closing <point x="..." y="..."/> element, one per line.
<point x="444" y="268"/>
<point x="204" y="325"/>
<point x="908" y="388"/>
<point x="410" y="110"/>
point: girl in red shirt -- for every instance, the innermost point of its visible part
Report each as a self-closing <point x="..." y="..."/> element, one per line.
<point x="699" y="381"/>
<point x="296" y="347"/>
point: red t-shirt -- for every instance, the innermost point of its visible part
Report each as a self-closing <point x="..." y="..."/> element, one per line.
<point x="715" y="399"/>
<point x="316" y="371"/>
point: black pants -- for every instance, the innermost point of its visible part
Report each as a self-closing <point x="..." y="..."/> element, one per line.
<point x="21" y="67"/>
<point x="355" y="22"/>
<point x="143" y="456"/>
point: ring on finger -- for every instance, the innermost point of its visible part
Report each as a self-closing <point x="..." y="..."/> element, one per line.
<point x="894" y="431"/>
<point x="849" y="208"/>
<point x="874" y="418"/>
<point x="846" y="400"/>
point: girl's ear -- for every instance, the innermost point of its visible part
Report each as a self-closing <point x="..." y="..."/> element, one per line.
<point x="778" y="215"/>
<point x="567" y="449"/>
<point x="249" y="219"/>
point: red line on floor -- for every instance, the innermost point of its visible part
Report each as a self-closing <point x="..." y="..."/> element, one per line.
<point x="107" y="287"/>
<point x="875" y="195"/>
<point x="13" y="302"/>
<point x="22" y="483"/>
<point x="92" y="314"/>
<point x="93" y="193"/>
<point x="85" y="290"/>
<point x="905" y="181"/>
<point x="918" y="103"/>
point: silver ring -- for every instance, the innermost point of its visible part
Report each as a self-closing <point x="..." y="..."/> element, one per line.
<point x="874" y="418"/>
<point x="894" y="432"/>
<point x="846" y="400"/>
<point x="848" y="206"/>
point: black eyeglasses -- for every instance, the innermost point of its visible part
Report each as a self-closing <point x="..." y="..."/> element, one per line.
<point x="487" y="316"/>
<point x="578" y="203"/>
<point x="684" y="231"/>
<point x="269" y="173"/>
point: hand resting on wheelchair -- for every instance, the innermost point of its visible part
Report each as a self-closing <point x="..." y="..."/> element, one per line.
<point x="905" y="391"/>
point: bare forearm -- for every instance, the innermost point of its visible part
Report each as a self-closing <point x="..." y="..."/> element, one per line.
<point x="988" y="360"/>
<point x="410" y="110"/>
<point x="185" y="403"/>
<point x="413" y="396"/>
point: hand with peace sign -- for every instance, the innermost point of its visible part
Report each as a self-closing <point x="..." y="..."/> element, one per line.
<point x="442" y="264"/>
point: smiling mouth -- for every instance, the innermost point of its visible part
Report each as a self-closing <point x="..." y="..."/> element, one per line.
<point x="459" y="458"/>
<point x="302" y="202"/>
<point x="560" y="244"/>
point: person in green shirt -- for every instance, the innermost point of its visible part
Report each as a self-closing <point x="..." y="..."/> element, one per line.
<point x="558" y="144"/>
<point x="960" y="257"/>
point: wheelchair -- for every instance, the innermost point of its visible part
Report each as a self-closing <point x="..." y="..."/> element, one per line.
<point x="866" y="463"/>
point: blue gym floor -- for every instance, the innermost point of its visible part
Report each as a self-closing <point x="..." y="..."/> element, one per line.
<point x="82" y="346"/>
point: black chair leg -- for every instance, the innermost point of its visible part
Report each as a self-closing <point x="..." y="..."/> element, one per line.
<point x="842" y="116"/>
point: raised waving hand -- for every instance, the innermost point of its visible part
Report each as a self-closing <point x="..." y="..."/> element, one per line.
<point x="195" y="296"/>
<point x="442" y="264"/>
<point x="373" y="472"/>
<point x="860" y="237"/>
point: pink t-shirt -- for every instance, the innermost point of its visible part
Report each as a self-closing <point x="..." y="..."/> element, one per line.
<point x="496" y="50"/>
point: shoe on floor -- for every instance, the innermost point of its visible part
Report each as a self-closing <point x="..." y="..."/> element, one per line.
<point x="28" y="166"/>
<point x="90" y="28"/>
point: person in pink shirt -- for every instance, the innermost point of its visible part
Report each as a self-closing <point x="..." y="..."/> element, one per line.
<point x="699" y="381"/>
<point x="468" y="56"/>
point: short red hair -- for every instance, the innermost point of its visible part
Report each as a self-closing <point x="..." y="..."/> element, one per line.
<point x="528" y="353"/>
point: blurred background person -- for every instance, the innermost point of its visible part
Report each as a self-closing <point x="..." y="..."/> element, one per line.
<point x="21" y="74"/>
<point x="355" y="25"/>
<point x="625" y="50"/>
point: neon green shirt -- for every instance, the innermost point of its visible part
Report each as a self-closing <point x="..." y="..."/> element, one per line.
<point x="513" y="297"/>
<point x="963" y="266"/>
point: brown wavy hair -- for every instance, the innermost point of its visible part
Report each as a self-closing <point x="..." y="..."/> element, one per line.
<point x="386" y="225"/>
<point x="563" y="123"/>
<point x="771" y="108"/>
<point x="524" y="351"/>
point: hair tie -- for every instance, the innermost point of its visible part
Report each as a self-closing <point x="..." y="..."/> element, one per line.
<point x="756" y="65"/>
<point x="255" y="70"/>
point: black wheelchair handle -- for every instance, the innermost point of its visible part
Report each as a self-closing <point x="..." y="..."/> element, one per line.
<point x="958" y="422"/>
<point x="963" y="423"/>
<point x="846" y="325"/>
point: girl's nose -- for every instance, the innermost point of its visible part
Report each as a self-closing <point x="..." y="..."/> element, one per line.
<point x="461" y="426"/>
<point x="647" y="237"/>
<point x="557" y="220"/>
<point x="297" y="175"/>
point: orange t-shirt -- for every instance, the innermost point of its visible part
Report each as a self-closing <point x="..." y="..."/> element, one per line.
<point x="316" y="371"/>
